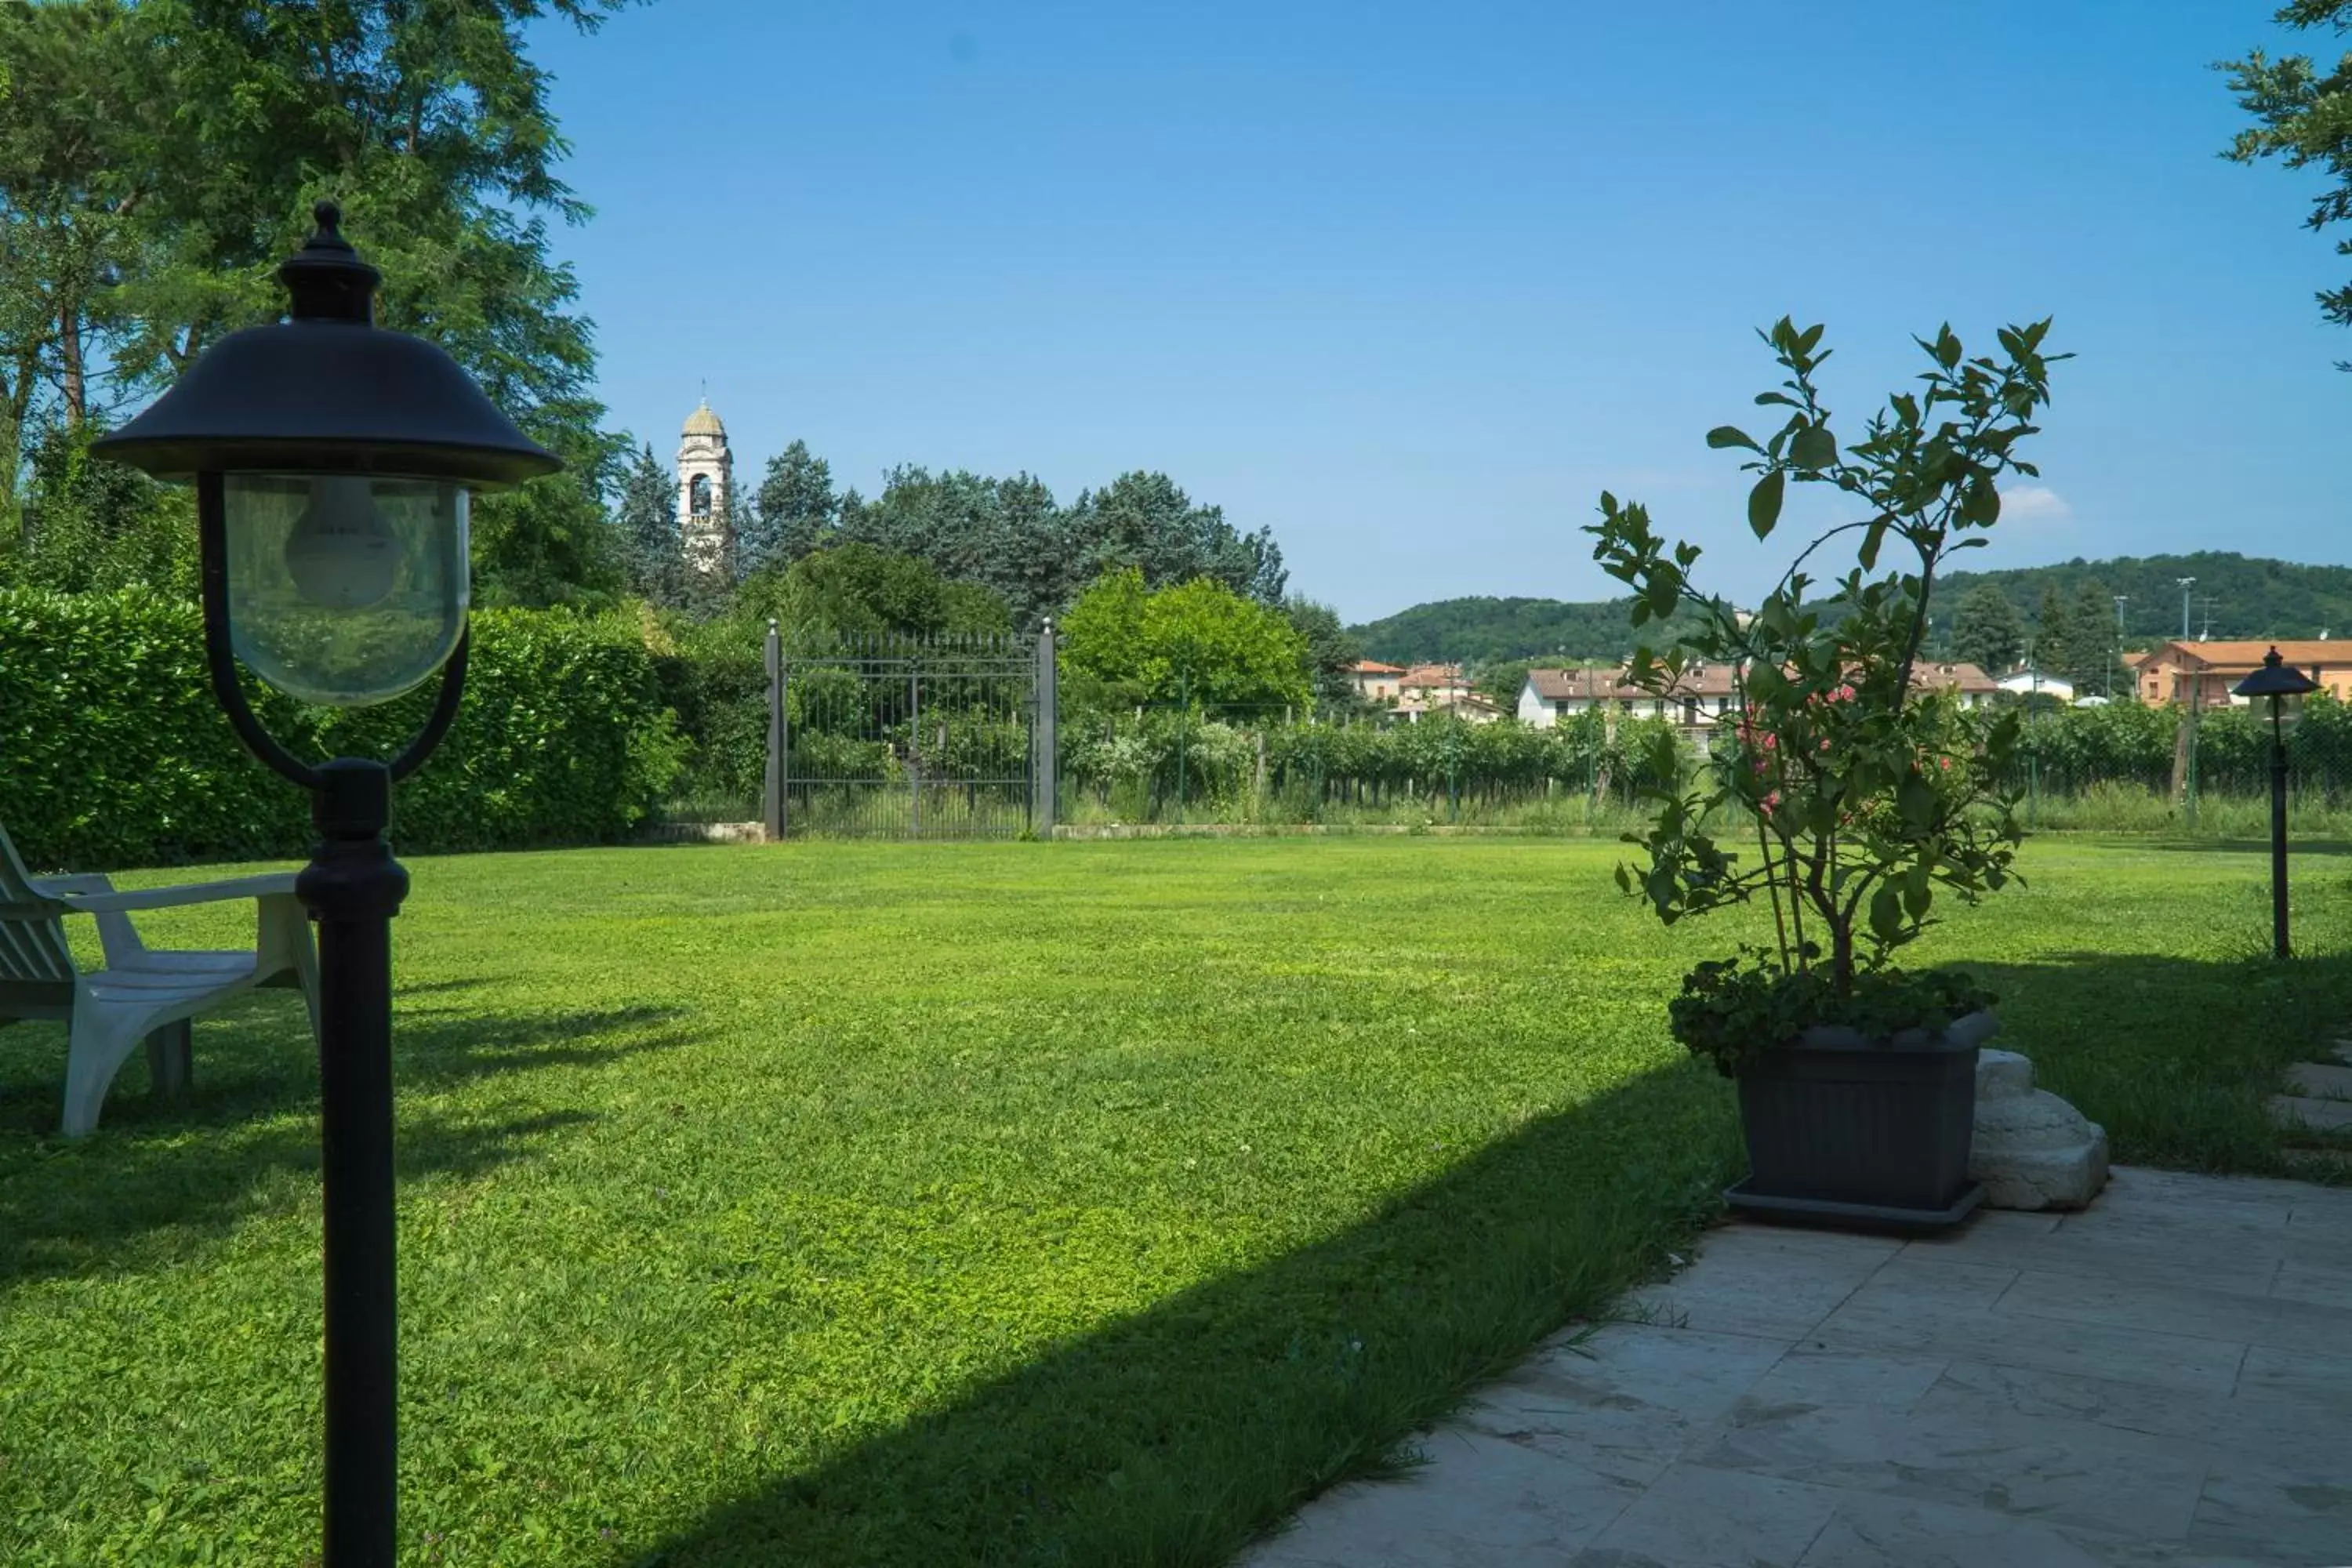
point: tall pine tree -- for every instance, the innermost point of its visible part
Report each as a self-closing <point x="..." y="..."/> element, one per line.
<point x="1986" y="630"/>
<point x="2054" y="633"/>
<point x="653" y="552"/>
<point x="795" y="513"/>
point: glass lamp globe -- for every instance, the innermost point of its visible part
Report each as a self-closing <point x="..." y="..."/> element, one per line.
<point x="344" y="589"/>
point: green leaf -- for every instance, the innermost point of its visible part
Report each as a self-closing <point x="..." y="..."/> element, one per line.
<point x="1915" y="797"/>
<point x="1731" y="436"/>
<point x="1886" y="913"/>
<point x="1872" y="539"/>
<point x="1814" y="448"/>
<point x="1764" y="502"/>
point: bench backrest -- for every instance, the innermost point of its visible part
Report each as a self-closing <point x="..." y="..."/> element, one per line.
<point x="35" y="962"/>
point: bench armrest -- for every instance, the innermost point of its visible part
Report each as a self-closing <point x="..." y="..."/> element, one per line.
<point x="276" y="884"/>
<point x="78" y="882"/>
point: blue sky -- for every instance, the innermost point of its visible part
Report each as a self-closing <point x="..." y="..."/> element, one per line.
<point x="1413" y="283"/>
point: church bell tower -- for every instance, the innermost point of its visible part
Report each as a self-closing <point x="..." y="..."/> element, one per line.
<point x="706" y="476"/>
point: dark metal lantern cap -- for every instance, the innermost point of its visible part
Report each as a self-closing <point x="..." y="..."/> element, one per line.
<point x="329" y="392"/>
<point x="2275" y="680"/>
<point x="328" y="280"/>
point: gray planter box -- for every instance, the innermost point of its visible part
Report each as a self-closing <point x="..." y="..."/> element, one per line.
<point x="1844" y="1129"/>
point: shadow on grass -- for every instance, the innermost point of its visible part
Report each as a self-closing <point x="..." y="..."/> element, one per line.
<point x="160" y="1170"/>
<point x="2330" y="848"/>
<point x="1174" y="1435"/>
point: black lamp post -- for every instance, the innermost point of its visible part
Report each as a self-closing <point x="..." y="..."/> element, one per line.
<point x="332" y="461"/>
<point x="2278" y="682"/>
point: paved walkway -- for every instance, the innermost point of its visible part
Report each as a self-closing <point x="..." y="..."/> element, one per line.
<point x="2163" y="1381"/>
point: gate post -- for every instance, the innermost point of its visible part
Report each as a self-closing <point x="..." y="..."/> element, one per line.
<point x="773" y="800"/>
<point x="1043" y="742"/>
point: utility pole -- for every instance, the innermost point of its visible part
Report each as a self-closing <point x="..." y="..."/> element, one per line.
<point x="2205" y="629"/>
<point x="2184" y="584"/>
<point x="2121" y="599"/>
<point x="2033" y="754"/>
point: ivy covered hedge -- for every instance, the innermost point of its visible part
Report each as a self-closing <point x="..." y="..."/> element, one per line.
<point x="114" y="753"/>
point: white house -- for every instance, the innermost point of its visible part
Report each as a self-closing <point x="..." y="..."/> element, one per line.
<point x="1471" y="708"/>
<point x="2025" y="682"/>
<point x="1696" y="703"/>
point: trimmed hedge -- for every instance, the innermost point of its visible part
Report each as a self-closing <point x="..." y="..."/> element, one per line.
<point x="114" y="753"/>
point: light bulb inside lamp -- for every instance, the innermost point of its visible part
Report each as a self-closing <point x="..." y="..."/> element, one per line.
<point x="342" y="553"/>
<point x="343" y="589"/>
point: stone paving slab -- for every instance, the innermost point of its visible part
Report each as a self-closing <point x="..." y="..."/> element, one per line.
<point x="2163" y="1380"/>
<point x="2303" y="1111"/>
<point x="2321" y="1080"/>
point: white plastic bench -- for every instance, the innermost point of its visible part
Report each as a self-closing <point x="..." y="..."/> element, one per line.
<point x="143" y="994"/>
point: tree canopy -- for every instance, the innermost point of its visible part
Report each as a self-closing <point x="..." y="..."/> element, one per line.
<point x="853" y="588"/>
<point x="1987" y="630"/>
<point x="2304" y="116"/>
<point x="1332" y="650"/>
<point x="795" y="512"/>
<point x="159" y="157"/>
<point x="1010" y="535"/>
<point x="1198" y="643"/>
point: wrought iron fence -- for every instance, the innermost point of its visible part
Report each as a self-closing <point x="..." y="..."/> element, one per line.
<point x="891" y="736"/>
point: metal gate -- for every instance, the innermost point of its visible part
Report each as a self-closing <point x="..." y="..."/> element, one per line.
<point x="886" y="736"/>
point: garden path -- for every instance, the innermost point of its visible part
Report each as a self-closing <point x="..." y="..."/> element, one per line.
<point x="2161" y="1381"/>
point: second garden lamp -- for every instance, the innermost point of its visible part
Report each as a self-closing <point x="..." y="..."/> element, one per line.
<point x="2282" y="683"/>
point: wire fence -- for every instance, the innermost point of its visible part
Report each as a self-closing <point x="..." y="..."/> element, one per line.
<point x="2123" y="767"/>
<point x="1172" y="763"/>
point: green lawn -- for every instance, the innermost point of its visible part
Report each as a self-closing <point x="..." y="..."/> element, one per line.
<point x="1023" y="1203"/>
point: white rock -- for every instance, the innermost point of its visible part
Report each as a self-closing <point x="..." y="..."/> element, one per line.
<point x="2002" y="1075"/>
<point x="2032" y="1150"/>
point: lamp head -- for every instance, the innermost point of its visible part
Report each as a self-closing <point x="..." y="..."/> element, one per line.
<point x="2274" y="679"/>
<point x="335" y="461"/>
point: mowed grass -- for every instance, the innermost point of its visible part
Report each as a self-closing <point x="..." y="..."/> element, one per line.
<point x="1073" y="1203"/>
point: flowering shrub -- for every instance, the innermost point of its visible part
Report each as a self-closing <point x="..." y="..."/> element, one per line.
<point x="1866" y="794"/>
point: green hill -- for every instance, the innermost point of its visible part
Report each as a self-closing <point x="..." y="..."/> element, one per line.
<point x="1486" y="630"/>
<point x="2235" y="595"/>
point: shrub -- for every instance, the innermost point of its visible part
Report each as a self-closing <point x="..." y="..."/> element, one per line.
<point x="1866" y="797"/>
<point x="114" y="753"/>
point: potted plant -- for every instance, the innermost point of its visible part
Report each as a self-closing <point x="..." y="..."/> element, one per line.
<point x="1843" y="787"/>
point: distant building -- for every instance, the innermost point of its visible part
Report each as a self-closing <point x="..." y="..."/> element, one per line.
<point x="1376" y="682"/>
<point x="1434" y="685"/>
<point x="705" y="477"/>
<point x="1703" y="695"/>
<point x="1470" y="709"/>
<point x="1700" y="699"/>
<point x="2026" y="682"/>
<point x="2200" y="674"/>
<point x="1973" y="686"/>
